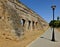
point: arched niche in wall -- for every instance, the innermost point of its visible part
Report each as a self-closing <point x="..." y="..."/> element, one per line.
<point x="0" y="17"/>
<point x="29" y="22"/>
<point x="33" y="24"/>
<point x="36" y="23"/>
<point x="22" y="22"/>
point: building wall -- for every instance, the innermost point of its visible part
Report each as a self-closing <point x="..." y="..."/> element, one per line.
<point x="18" y="18"/>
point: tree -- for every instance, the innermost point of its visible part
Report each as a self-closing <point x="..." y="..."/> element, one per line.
<point x="58" y="18"/>
<point x="55" y="23"/>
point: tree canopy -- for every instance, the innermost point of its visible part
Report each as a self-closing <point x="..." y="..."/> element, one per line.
<point x="55" y="23"/>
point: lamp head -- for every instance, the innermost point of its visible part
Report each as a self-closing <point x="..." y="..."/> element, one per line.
<point x="53" y="6"/>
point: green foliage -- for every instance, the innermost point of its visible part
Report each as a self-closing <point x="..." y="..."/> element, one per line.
<point x="55" y="23"/>
<point x="58" y="18"/>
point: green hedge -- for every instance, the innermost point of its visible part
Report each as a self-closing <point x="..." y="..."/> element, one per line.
<point x="55" y="23"/>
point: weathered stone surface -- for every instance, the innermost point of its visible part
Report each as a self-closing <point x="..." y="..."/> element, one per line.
<point x="16" y="18"/>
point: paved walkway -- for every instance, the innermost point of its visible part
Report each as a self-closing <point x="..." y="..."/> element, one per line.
<point x="45" y="40"/>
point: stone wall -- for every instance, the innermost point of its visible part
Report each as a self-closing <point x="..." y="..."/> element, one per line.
<point x="17" y="18"/>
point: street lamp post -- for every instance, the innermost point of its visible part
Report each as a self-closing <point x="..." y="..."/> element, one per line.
<point x="53" y="34"/>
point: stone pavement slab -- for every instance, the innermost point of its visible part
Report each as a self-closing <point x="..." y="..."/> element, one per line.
<point x="45" y="40"/>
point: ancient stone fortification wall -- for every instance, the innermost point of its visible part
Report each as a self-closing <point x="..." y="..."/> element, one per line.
<point x="17" y="18"/>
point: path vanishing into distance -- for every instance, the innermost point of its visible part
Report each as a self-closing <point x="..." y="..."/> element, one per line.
<point x="45" y="40"/>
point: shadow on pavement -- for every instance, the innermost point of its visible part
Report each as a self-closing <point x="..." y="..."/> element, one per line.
<point x="48" y="39"/>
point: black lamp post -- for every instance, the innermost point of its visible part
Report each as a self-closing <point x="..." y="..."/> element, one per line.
<point x="53" y="34"/>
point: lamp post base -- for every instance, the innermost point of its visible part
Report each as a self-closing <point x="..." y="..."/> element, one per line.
<point x="53" y="40"/>
<point x="53" y="35"/>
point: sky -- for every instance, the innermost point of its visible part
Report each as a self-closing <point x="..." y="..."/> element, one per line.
<point x="43" y="8"/>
